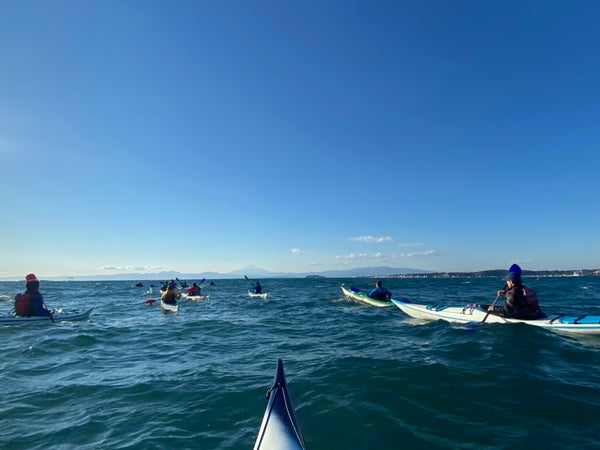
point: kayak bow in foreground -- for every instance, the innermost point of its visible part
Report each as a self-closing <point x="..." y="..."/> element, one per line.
<point x="254" y="294"/>
<point x="584" y="324"/>
<point x="279" y="429"/>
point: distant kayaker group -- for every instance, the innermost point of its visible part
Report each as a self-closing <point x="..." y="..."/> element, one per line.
<point x="521" y="301"/>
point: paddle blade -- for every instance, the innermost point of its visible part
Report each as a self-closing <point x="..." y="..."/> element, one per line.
<point x="202" y="280"/>
<point x="248" y="279"/>
<point x="471" y="327"/>
<point x="353" y="289"/>
<point x="150" y="301"/>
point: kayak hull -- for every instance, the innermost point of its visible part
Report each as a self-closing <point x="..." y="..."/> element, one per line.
<point x="169" y="306"/>
<point x="56" y="317"/>
<point x="279" y="429"/>
<point x="194" y="297"/>
<point x="364" y="298"/>
<point x="253" y="294"/>
<point x="584" y="324"/>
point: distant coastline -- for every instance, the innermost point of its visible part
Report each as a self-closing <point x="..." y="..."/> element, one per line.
<point x="363" y="272"/>
<point x="500" y="273"/>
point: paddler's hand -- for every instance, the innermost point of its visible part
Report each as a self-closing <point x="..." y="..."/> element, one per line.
<point x="491" y="308"/>
<point x="501" y="293"/>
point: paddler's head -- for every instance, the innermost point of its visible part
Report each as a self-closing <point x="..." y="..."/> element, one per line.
<point x="32" y="284"/>
<point x="512" y="278"/>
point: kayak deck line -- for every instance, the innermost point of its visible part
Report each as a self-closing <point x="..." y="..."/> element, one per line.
<point x="438" y="307"/>
<point x="583" y="319"/>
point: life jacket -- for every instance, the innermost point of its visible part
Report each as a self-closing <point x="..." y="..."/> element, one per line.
<point x="531" y="299"/>
<point x="23" y="305"/>
<point x="379" y="296"/>
<point x="522" y="304"/>
<point x="170" y="297"/>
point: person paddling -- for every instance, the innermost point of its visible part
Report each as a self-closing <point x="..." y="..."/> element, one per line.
<point x="521" y="302"/>
<point x="171" y="295"/>
<point x="380" y="293"/>
<point x="194" y="291"/>
<point x="31" y="302"/>
<point x="257" y="288"/>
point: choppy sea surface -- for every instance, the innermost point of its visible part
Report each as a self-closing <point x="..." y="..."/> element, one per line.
<point x="361" y="377"/>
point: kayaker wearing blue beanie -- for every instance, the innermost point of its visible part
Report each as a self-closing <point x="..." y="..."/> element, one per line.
<point x="521" y="302"/>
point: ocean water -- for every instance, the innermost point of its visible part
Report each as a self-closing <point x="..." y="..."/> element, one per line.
<point x="361" y="377"/>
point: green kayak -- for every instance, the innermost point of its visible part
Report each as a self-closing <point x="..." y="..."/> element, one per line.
<point x="363" y="297"/>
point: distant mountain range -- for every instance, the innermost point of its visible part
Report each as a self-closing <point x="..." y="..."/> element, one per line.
<point x="255" y="273"/>
<point x="252" y="272"/>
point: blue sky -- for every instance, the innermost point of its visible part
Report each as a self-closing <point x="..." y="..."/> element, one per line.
<point x="298" y="136"/>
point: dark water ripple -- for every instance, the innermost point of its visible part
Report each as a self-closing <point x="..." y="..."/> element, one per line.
<point x="362" y="377"/>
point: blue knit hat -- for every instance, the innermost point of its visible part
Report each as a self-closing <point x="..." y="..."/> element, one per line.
<point x="515" y="268"/>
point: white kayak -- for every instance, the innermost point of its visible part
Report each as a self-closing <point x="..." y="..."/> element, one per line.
<point x="279" y="429"/>
<point x="584" y="324"/>
<point x="174" y="307"/>
<point x="187" y="296"/>
<point x="56" y="317"/>
<point x="254" y="294"/>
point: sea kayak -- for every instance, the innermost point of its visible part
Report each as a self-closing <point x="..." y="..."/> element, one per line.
<point x="56" y="317"/>
<point x="363" y="297"/>
<point x="254" y="294"/>
<point x="194" y="297"/>
<point x="584" y="324"/>
<point x="174" y="307"/>
<point x="279" y="429"/>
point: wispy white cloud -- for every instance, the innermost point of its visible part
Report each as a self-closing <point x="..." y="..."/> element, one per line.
<point x="417" y="254"/>
<point x="410" y="244"/>
<point x="371" y="239"/>
<point x="317" y="264"/>
<point x="296" y="251"/>
<point x="360" y="256"/>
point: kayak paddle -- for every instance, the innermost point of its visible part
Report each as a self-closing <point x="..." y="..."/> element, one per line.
<point x="250" y="281"/>
<point x="492" y="306"/>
